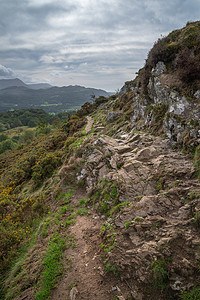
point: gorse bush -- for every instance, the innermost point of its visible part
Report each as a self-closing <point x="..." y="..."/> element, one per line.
<point x="17" y="215"/>
<point x="44" y="167"/>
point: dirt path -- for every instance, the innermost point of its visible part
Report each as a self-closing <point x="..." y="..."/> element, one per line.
<point x="85" y="277"/>
<point x="89" y="124"/>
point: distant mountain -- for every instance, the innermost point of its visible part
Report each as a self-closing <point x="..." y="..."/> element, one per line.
<point x="5" y="83"/>
<point x="52" y="100"/>
<point x="38" y="86"/>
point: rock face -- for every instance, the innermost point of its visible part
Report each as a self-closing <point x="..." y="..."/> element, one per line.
<point x="179" y="117"/>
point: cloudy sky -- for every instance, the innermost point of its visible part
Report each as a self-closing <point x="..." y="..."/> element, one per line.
<point x="95" y="43"/>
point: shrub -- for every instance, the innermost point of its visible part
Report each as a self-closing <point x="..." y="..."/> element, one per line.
<point x="3" y="137"/>
<point x="45" y="167"/>
<point x="188" y="66"/>
<point x="6" y="145"/>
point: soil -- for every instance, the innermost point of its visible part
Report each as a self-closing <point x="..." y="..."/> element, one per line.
<point x="87" y="270"/>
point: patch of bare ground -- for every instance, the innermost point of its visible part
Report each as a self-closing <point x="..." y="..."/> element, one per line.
<point x="86" y="278"/>
<point x="89" y="124"/>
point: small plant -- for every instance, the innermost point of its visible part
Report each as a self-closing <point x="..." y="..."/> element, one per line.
<point x="63" y="209"/>
<point x="82" y="211"/>
<point x="193" y="294"/>
<point x="177" y="182"/>
<point x="155" y="225"/>
<point x="160" y="273"/>
<point x="111" y="268"/>
<point x="83" y="202"/>
<point x="139" y="198"/>
<point x="138" y="219"/>
<point x="197" y="218"/>
<point x="106" y="196"/>
<point x="68" y="196"/>
<point x="69" y="222"/>
<point x="118" y="207"/>
<point x="127" y="224"/>
<point x="159" y="185"/>
<point x="71" y="285"/>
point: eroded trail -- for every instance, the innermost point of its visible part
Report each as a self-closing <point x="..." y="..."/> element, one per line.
<point x="84" y="276"/>
<point x="86" y="264"/>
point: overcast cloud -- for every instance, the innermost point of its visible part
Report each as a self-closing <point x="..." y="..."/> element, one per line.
<point x="94" y="43"/>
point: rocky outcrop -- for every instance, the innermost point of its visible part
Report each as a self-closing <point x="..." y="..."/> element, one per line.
<point x="166" y="108"/>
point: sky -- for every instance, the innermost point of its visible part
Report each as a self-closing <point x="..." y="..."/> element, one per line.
<point x="93" y="43"/>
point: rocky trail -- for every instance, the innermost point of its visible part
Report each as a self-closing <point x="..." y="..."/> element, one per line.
<point x="89" y="124"/>
<point x="155" y="221"/>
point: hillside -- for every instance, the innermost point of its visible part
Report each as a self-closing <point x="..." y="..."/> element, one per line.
<point x="6" y="83"/>
<point x="52" y="100"/>
<point x="108" y="205"/>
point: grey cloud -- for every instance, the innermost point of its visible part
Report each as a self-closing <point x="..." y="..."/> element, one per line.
<point x="97" y="40"/>
<point x="6" y="72"/>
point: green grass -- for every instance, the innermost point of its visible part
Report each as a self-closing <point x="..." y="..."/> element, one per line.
<point x="160" y="274"/>
<point x="68" y="196"/>
<point x="194" y="294"/>
<point x="111" y="268"/>
<point x="127" y="224"/>
<point x="117" y="208"/>
<point x="82" y="211"/>
<point x="53" y="267"/>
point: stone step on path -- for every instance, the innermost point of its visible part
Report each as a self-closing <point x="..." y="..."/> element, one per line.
<point x="88" y="127"/>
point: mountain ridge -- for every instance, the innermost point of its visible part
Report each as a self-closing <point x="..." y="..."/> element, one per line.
<point x="52" y="99"/>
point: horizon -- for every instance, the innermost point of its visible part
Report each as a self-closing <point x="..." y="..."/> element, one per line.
<point x="87" y="87"/>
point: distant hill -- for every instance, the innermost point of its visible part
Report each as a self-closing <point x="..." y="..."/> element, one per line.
<point x="38" y="86"/>
<point x="5" y="83"/>
<point x="52" y="100"/>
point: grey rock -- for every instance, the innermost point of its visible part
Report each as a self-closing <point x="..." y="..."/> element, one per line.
<point x="73" y="293"/>
<point x="159" y="69"/>
<point x="113" y="115"/>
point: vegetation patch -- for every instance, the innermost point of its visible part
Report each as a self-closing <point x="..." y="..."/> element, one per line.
<point x="106" y="196"/>
<point x="160" y="274"/>
<point x="53" y="266"/>
<point x="193" y="294"/>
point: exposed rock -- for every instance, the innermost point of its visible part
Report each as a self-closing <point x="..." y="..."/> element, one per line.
<point x="73" y="293"/>
<point x="112" y="116"/>
<point x="159" y="69"/>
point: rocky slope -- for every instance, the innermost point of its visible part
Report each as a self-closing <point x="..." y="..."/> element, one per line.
<point x="120" y="213"/>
